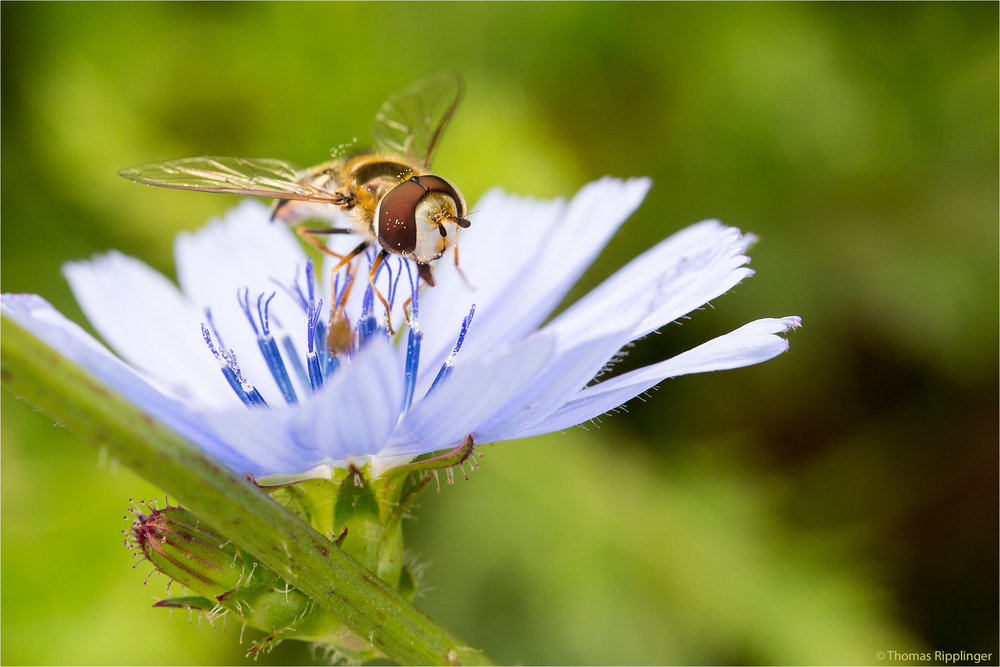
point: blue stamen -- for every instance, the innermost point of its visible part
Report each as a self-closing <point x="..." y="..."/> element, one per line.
<point x="293" y="356"/>
<point x="412" y="347"/>
<point x="368" y="327"/>
<point x="244" y="301"/>
<point x="310" y="280"/>
<point x="262" y="313"/>
<point x="328" y="362"/>
<point x="315" y="372"/>
<point x="449" y="364"/>
<point x="269" y="349"/>
<point x="340" y="290"/>
<point x="368" y="324"/>
<point x="231" y="371"/>
<point x="211" y="323"/>
<point x="290" y="352"/>
<point x="394" y="278"/>
<point x="256" y="398"/>
<point x="295" y="291"/>
<point x="312" y="359"/>
<point x="392" y="288"/>
<point x="367" y="302"/>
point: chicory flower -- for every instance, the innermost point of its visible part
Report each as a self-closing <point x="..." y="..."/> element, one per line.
<point x="238" y="358"/>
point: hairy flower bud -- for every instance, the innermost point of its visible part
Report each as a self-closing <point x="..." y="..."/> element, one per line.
<point x="177" y="545"/>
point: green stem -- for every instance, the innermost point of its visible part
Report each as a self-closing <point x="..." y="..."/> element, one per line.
<point x="227" y="502"/>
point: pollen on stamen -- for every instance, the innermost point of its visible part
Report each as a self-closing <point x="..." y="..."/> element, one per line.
<point x="231" y="371"/>
<point x="449" y="363"/>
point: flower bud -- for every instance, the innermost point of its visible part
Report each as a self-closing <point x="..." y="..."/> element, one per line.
<point x="176" y="543"/>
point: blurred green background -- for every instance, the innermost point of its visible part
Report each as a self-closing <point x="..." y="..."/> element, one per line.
<point x="835" y="502"/>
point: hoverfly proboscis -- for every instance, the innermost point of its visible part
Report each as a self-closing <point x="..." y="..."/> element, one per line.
<point x="388" y="193"/>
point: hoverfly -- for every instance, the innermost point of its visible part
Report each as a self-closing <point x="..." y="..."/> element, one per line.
<point x="388" y="194"/>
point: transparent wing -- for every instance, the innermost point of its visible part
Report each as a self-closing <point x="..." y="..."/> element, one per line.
<point x="232" y="175"/>
<point x="411" y="121"/>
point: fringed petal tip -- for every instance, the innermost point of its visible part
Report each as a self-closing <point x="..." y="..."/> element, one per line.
<point x="751" y="344"/>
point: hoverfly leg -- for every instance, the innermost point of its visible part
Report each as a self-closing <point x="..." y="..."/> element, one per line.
<point x="406" y="310"/>
<point x="346" y="293"/>
<point x="349" y="256"/>
<point x="327" y="231"/>
<point x="371" y="281"/>
<point x="309" y="234"/>
<point x="461" y="273"/>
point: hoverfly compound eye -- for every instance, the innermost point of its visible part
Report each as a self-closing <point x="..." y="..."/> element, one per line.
<point x="420" y="218"/>
<point x="396" y="218"/>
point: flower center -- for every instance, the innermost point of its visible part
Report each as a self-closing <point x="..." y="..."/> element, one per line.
<point x="329" y="338"/>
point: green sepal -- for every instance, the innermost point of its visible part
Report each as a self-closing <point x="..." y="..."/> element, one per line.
<point x="456" y="457"/>
<point x="188" y="602"/>
<point x="407" y="583"/>
<point x="366" y="514"/>
<point x="390" y="548"/>
<point x="311" y="500"/>
<point x="357" y="509"/>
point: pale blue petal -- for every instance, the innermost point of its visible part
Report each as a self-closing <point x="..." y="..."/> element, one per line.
<point x="666" y="282"/>
<point x="676" y="276"/>
<point x="357" y="409"/>
<point x="469" y="397"/>
<point x="751" y="344"/>
<point x="264" y="437"/>
<point x="146" y="319"/>
<point x="565" y="374"/>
